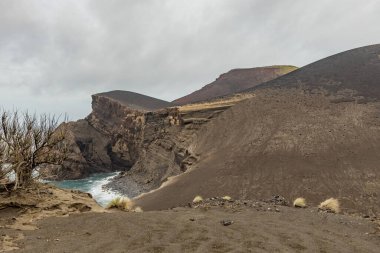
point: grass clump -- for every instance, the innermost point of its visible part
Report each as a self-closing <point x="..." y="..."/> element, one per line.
<point x="138" y="209"/>
<point x="121" y="203"/>
<point x="299" y="202"/>
<point x="330" y="205"/>
<point x="197" y="199"/>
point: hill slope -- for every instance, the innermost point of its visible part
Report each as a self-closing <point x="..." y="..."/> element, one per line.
<point x="235" y="80"/>
<point x="356" y="70"/>
<point x="135" y="100"/>
<point x="293" y="141"/>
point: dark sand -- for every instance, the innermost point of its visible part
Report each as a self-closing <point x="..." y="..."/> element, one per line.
<point x="200" y="230"/>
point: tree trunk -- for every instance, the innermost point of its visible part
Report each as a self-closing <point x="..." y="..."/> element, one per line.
<point x="23" y="178"/>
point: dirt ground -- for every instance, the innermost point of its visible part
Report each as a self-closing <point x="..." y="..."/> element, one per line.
<point x="261" y="227"/>
<point x="284" y="142"/>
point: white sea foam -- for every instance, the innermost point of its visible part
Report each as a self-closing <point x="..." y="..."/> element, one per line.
<point x="93" y="185"/>
<point x="102" y="196"/>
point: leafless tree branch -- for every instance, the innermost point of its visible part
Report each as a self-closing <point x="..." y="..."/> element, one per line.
<point x="28" y="142"/>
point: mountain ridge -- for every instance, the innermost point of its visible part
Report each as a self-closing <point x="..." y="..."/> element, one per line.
<point x="346" y="69"/>
<point x="234" y="81"/>
<point x="135" y="100"/>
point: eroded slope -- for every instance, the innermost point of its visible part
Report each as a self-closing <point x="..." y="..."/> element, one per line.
<point x="235" y="81"/>
<point x="317" y="140"/>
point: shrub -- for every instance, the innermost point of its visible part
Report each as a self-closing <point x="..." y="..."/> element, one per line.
<point x="299" y="202"/>
<point x="121" y="203"/>
<point x="330" y="205"/>
<point x="197" y="199"/>
<point x="227" y="198"/>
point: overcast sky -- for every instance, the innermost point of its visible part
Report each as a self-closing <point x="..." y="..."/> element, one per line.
<point x="55" y="54"/>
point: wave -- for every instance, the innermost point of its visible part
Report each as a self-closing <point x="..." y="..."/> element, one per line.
<point x="93" y="185"/>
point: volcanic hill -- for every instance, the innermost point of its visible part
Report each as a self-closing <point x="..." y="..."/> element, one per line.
<point x="356" y="71"/>
<point x="313" y="133"/>
<point x="143" y="136"/>
<point x="135" y="100"/>
<point x="234" y="81"/>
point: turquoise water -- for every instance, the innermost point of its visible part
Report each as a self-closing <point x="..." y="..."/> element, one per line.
<point x="92" y="185"/>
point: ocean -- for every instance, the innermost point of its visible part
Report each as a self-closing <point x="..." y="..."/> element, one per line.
<point x="92" y="185"/>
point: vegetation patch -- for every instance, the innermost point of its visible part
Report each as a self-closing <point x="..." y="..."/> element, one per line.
<point x="121" y="203"/>
<point x="300" y="203"/>
<point x="330" y="205"/>
<point x="197" y="199"/>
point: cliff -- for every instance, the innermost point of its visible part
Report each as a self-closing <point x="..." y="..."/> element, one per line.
<point x="147" y="146"/>
<point x="166" y="146"/>
<point x="313" y="133"/>
<point x="107" y="140"/>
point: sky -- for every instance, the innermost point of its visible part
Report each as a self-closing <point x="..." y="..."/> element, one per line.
<point x="55" y="54"/>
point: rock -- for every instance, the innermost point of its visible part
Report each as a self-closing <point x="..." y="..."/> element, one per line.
<point x="226" y="222"/>
<point x="81" y="207"/>
<point x="278" y="200"/>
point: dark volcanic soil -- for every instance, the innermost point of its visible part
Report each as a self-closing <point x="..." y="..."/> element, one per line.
<point x="314" y="132"/>
<point x="234" y="81"/>
<point x="285" y="142"/>
<point x="356" y="72"/>
<point x="263" y="228"/>
<point x="135" y="100"/>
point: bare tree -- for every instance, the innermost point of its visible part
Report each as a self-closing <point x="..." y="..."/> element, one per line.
<point x="4" y="170"/>
<point x="28" y="142"/>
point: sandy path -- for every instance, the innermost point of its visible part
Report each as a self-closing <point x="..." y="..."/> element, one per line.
<point x="289" y="230"/>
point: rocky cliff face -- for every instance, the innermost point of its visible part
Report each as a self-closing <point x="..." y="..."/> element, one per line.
<point x="146" y="138"/>
<point x="167" y="144"/>
<point x="107" y="140"/>
<point x="147" y="146"/>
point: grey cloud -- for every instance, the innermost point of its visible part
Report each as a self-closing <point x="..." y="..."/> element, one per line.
<point x="55" y="54"/>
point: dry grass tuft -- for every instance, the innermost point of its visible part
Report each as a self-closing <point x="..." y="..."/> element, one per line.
<point x="227" y="198"/>
<point x="331" y="205"/>
<point x="197" y="199"/>
<point x="299" y="202"/>
<point x="138" y="209"/>
<point x="124" y="204"/>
